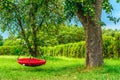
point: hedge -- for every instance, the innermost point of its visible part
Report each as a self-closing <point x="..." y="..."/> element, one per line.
<point x="12" y="50"/>
<point x="68" y="50"/>
<point x="8" y="50"/>
<point x="111" y="49"/>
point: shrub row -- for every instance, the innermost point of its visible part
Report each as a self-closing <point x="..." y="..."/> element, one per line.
<point x="8" y="50"/>
<point x="68" y="50"/>
<point x="12" y="50"/>
<point x="111" y="49"/>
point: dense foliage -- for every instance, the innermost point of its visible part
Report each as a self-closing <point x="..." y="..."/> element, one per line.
<point x="27" y="17"/>
<point x="111" y="49"/>
<point x="69" y="41"/>
<point x="1" y="40"/>
<point x="52" y="37"/>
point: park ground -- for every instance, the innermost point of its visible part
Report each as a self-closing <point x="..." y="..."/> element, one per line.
<point x="58" y="68"/>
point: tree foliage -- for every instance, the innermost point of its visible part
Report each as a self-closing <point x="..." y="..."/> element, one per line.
<point x="61" y="35"/>
<point x="88" y="9"/>
<point x="27" y="17"/>
<point x="1" y="40"/>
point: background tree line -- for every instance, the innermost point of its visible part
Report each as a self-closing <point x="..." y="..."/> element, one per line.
<point x="111" y="47"/>
<point x="64" y="35"/>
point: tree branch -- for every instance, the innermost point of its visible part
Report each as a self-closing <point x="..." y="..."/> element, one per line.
<point x="98" y="9"/>
<point x="80" y="14"/>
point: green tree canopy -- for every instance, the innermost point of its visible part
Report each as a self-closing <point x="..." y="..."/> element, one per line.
<point x="27" y="17"/>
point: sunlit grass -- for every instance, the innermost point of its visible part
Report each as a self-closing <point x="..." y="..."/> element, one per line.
<point x="58" y="68"/>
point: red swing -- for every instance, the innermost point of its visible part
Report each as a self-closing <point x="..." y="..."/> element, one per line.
<point x="31" y="62"/>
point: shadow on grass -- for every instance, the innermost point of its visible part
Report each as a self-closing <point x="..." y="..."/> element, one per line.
<point x="50" y="69"/>
<point x="113" y="69"/>
<point x="106" y="69"/>
<point x="53" y="66"/>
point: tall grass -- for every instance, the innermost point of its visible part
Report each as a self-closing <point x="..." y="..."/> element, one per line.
<point x="58" y="68"/>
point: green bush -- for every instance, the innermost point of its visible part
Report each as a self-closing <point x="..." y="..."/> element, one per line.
<point x="7" y="50"/>
<point x="12" y="50"/>
<point x="108" y="46"/>
<point x="111" y="49"/>
<point x="68" y="50"/>
<point x="111" y="46"/>
<point x="116" y="46"/>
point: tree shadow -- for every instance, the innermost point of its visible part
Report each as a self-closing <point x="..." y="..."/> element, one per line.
<point x="113" y="69"/>
<point x="50" y="70"/>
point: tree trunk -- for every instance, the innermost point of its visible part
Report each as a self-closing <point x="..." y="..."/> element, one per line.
<point x="35" y="42"/>
<point x="94" y="56"/>
<point x="92" y="27"/>
<point x="25" y="37"/>
<point x="32" y="15"/>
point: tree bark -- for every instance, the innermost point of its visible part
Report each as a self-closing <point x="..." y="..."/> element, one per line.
<point x="34" y="31"/>
<point x="25" y="38"/>
<point x="35" y="42"/>
<point x="92" y="27"/>
<point x="94" y="57"/>
<point x="93" y="45"/>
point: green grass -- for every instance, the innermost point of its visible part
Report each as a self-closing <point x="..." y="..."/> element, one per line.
<point x="58" y="68"/>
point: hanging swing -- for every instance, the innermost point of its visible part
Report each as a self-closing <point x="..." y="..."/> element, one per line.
<point x="32" y="62"/>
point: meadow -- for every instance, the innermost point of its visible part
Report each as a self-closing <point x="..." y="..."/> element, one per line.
<point x="58" y="68"/>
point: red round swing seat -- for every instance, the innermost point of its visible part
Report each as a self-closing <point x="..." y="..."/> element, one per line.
<point x="31" y="61"/>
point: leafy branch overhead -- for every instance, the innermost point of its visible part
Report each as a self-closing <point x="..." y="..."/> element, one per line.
<point x="114" y="19"/>
<point x="87" y="8"/>
<point x="28" y="17"/>
<point x="108" y="8"/>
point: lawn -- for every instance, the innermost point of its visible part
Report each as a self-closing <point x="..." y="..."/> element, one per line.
<point x="58" y="68"/>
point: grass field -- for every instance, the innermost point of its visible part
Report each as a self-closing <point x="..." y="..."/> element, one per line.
<point x="58" y="68"/>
